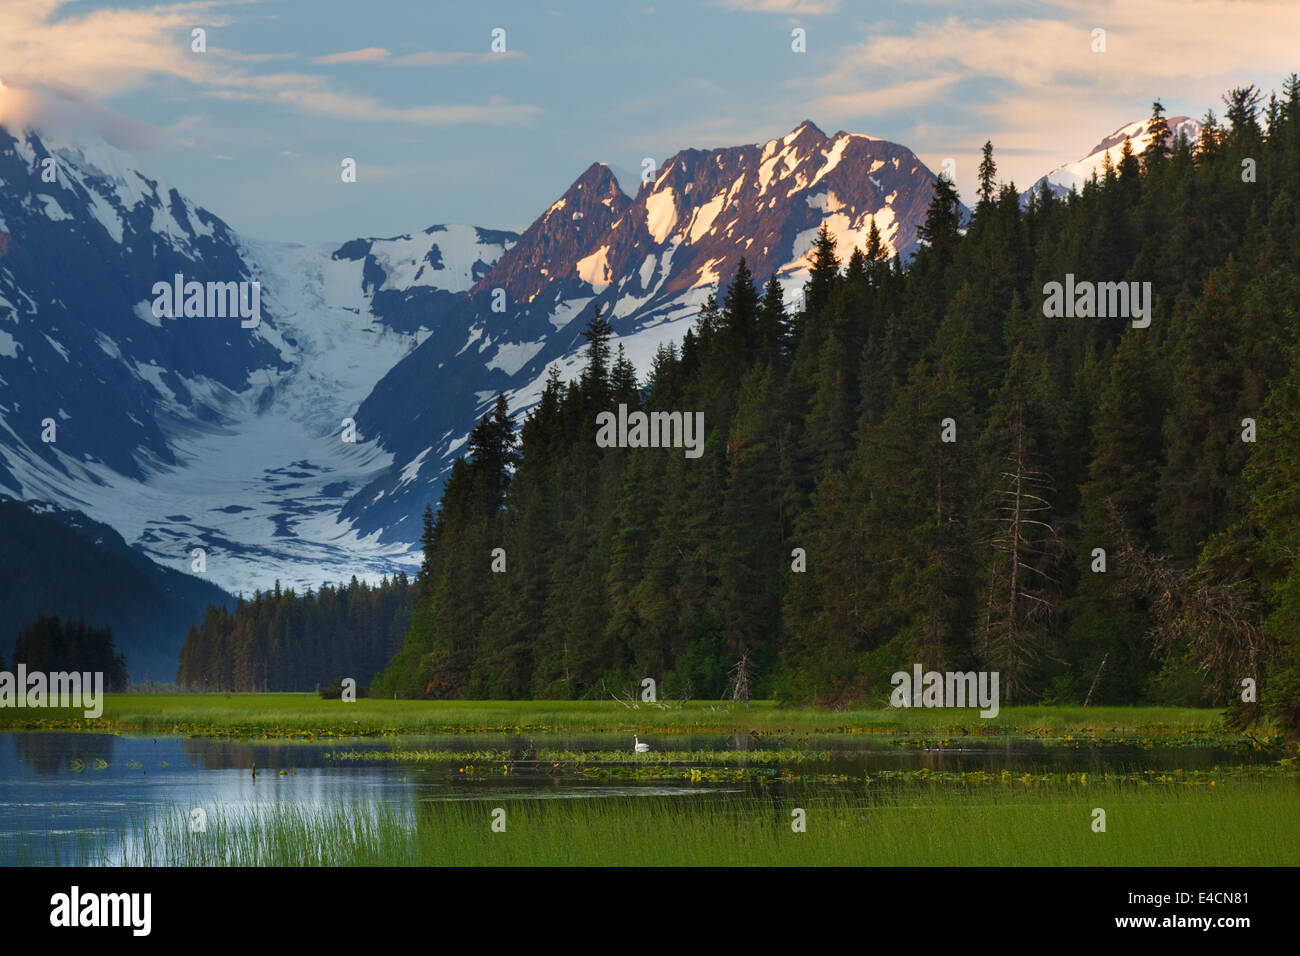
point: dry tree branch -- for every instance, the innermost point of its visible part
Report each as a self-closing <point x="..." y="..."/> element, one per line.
<point x="1216" y="619"/>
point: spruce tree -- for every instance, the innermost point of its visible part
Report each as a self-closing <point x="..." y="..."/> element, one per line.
<point x="1157" y="149"/>
<point x="988" y="172"/>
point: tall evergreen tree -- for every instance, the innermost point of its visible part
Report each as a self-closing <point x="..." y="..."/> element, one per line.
<point x="988" y="172"/>
<point x="1158" y="148"/>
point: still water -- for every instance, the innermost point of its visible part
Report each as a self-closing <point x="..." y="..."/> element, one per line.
<point x="58" y="788"/>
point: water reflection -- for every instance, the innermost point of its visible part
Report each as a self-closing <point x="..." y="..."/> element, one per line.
<point x="63" y="790"/>
<point x="47" y="754"/>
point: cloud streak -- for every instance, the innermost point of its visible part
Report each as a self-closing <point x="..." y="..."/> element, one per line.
<point x="1033" y="80"/>
<point x="807" y="8"/>
<point x="369" y="55"/>
<point x="450" y="57"/>
<point x="49" y="44"/>
<point x="65" y="113"/>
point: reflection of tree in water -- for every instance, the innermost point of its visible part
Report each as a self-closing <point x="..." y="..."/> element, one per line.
<point x="49" y="753"/>
<point x="207" y="753"/>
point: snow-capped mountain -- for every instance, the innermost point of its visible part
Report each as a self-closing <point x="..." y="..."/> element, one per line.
<point x="648" y="262"/>
<point x="1073" y="175"/>
<point x="78" y="258"/>
<point x="199" y="433"/>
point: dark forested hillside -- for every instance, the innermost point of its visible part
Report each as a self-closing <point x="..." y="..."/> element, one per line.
<point x="282" y="641"/>
<point x="59" y="562"/>
<point x="52" y="646"/>
<point x="920" y="466"/>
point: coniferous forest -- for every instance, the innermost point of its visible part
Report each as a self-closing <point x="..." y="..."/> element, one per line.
<point x="86" y="571"/>
<point x="51" y="646"/>
<point x="712" y="484"/>
<point x="283" y="641"/>
<point x="915" y="465"/>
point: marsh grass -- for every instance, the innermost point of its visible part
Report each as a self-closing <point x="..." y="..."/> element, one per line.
<point x="307" y="715"/>
<point x="1250" y="823"/>
<point x="503" y="761"/>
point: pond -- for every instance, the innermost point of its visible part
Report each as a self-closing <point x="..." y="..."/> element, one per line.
<point x="60" y="790"/>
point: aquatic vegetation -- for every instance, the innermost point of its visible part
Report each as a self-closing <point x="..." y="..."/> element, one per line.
<point x="580" y="758"/>
<point x="953" y="778"/>
<point x="786" y="766"/>
<point x="1251" y="823"/>
<point x="713" y="799"/>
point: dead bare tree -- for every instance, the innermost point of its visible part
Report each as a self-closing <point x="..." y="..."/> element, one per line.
<point x="740" y="677"/>
<point x="1096" y="677"/>
<point x="1021" y="592"/>
<point x="1215" y="618"/>
<point x="628" y="698"/>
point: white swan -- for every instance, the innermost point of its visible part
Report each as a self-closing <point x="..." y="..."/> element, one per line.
<point x="640" y="747"/>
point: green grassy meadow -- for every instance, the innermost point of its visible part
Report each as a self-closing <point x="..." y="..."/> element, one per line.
<point x="307" y="715"/>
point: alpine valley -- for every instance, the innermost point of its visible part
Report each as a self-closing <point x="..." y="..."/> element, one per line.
<point x="209" y="446"/>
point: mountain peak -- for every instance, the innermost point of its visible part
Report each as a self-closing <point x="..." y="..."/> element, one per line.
<point x="807" y="126"/>
<point x="597" y="184"/>
<point x="1137" y="132"/>
<point x="562" y="235"/>
<point x="598" y="176"/>
<point x="1073" y="175"/>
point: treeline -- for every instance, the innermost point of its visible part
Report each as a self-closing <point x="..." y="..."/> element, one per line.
<point x="52" y="646"/>
<point x="826" y="432"/>
<point x="55" y="561"/>
<point x="282" y="641"/>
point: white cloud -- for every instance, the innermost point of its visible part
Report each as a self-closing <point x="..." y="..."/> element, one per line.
<point x="368" y="55"/>
<point x="347" y="106"/>
<point x="448" y="57"/>
<point x="105" y="50"/>
<point x="867" y="102"/>
<point x="65" y="112"/>
<point x="54" y="45"/>
<point x="1032" y="81"/>
<point x="807" y="8"/>
<point x="1148" y="44"/>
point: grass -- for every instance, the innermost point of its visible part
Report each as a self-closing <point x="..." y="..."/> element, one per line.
<point x="728" y="768"/>
<point x="1222" y="816"/>
<point x="657" y="763"/>
<point x="1247" y="823"/>
<point x="307" y="715"/>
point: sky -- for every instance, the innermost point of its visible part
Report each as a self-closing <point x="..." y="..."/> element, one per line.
<point x="444" y="129"/>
